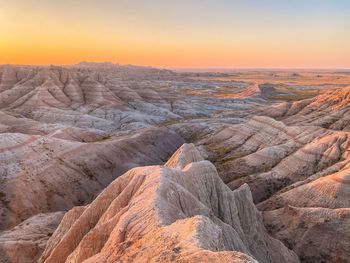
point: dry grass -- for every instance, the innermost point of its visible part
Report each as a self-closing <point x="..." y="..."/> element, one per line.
<point x="222" y="92"/>
<point x="305" y="78"/>
<point x="296" y="94"/>
<point x="281" y="79"/>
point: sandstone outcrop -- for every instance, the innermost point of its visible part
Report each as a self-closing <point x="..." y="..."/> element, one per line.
<point x="182" y="212"/>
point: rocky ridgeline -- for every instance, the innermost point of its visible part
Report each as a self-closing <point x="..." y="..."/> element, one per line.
<point x="99" y="98"/>
<point x="330" y="110"/>
<point x="179" y="212"/>
<point x="298" y="172"/>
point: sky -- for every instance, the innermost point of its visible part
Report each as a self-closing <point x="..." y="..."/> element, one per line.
<point x="181" y="33"/>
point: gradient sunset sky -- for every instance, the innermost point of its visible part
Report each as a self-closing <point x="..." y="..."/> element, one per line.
<point x="164" y="33"/>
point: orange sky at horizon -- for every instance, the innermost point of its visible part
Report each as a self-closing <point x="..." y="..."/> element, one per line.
<point x="45" y="32"/>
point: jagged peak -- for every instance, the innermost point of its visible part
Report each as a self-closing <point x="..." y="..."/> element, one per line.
<point x="185" y="155"/>
<point x="167" y="213"/>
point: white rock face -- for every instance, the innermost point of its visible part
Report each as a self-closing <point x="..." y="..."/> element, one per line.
<point x="164" y="214"/>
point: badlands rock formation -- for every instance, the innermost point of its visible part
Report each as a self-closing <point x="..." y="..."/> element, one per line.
<point x="315" y="234"/>
<point x="298" y="171"/>
<point x="66" y="132"/>
<point x="25" y="242"/>
<point x="269" y="155"/>
<point x="331" y="191"/>
<point x="179" y="212"/>
<point x="44" y="173"/>
<point x="260" y="91"/>
<point x="329" y="110"/>
<point x="99" y="98"/>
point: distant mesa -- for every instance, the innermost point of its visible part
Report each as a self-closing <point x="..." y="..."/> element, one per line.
<point x="264" y="91"/>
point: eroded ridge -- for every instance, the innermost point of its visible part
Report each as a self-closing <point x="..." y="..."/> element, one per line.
<point x="178" y="212"/>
